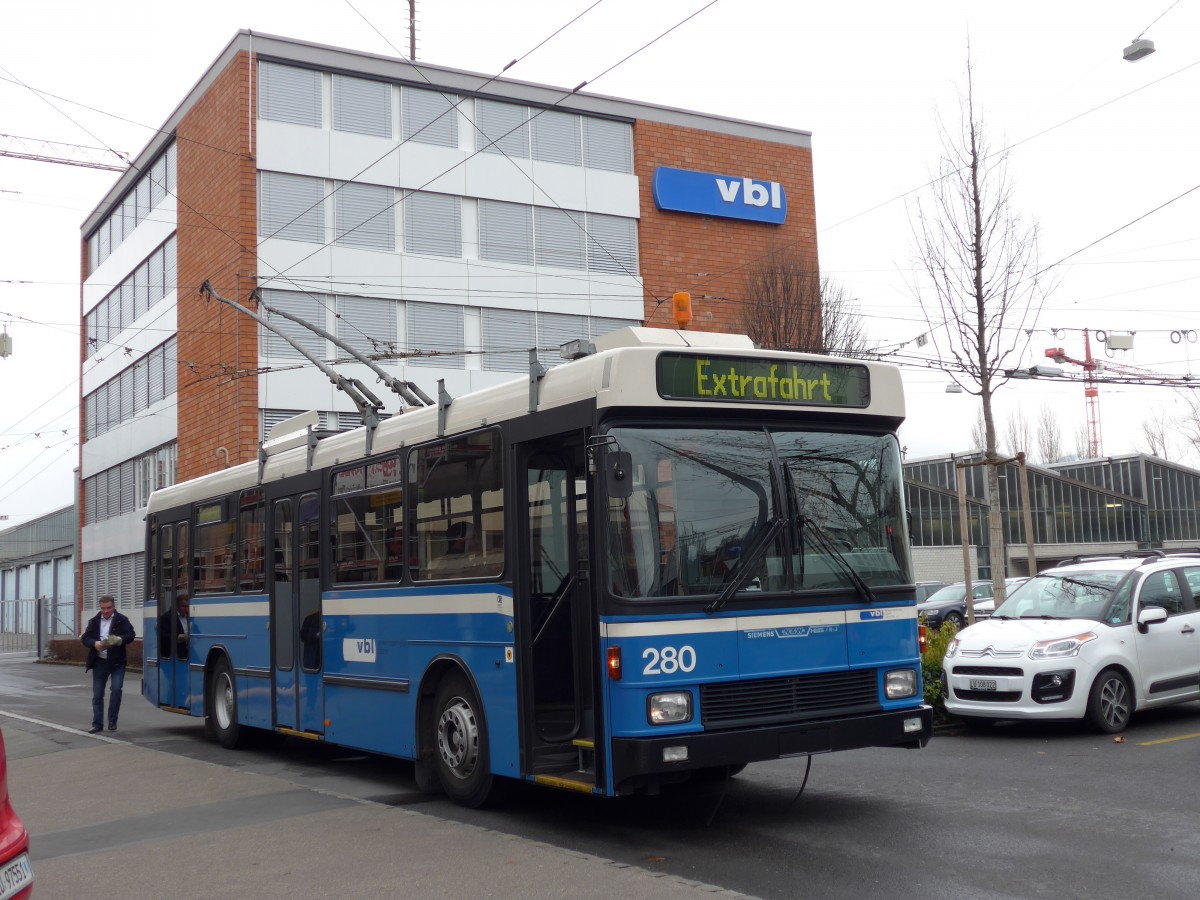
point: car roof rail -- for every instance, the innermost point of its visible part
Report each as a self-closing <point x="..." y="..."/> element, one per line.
<point x="1147" y="555"/>
<point x="1176" y="551"/>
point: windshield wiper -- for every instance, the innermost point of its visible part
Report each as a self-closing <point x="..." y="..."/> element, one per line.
<point x="823" y="542"/>
<point x="748" y="561"/>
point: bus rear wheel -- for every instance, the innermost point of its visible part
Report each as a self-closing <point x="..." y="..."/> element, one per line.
<point x="460" y="743"/>
<point x="222" y="711"/>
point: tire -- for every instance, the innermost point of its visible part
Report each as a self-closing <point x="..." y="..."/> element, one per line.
<point x="460" y="743"/>
<point x="954" y="618"/>
<point x="223" y="711"/>
<point x="1110" y="703"/>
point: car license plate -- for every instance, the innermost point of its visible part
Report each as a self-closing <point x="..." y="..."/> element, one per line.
<point x="983" y="684"/>
<point x="15" y="876"/>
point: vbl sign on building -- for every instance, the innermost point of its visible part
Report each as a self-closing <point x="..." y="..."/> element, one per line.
<point x="728" y="196"/>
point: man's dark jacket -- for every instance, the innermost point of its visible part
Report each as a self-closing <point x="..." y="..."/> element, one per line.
<point x="121" y="627"/>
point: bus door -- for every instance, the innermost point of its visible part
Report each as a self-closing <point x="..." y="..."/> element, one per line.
<point x="555" y="607"/>
<point x="296" y="623"/>
<point x="174" y="622"/>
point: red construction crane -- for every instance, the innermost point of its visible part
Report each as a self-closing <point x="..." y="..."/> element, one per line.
<point x="1091" y="385"/>
<point x="1091" y="391"/>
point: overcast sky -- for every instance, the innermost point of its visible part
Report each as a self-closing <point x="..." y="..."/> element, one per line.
<point x="1097" y="143"/>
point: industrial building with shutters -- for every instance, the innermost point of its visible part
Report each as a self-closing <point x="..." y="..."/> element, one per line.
<point x="439" y="221"/>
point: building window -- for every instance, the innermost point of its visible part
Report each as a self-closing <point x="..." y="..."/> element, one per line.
<point x="429" y="117"/>
<point x="292" y="207"/>
<point x="433" y="224"/>
<point x="288" y="94"/>
<point x="508" y="336"/>
<point x="364" y="216"/>
<point x="502" y="128"/>
<point x="612" y="244"/>
<point x="505" y="232"/>
<point x="608" y="145"/>
<point x="367" y="324"/>
<point x="362" y="106"/>
<point x="558" y="238"/>
<point x="310" y="308"/>
<point x="556" y="137"/>
<point x="436" y="329"/>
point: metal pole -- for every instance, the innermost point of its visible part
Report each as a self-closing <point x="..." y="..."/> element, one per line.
<point x="1027" y="513"/>
<point x="965" y="530"/>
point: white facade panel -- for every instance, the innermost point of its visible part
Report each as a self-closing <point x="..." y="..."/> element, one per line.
<point x="358" y="157"/>
<point x="306" y="266"/>
<point x="559" y="186"/>
<point x="508" y="286"/>
<point x="293" y="148"/>
<point x="113" y="537"/>
<point x="437" y="279"/>
<point x="366" y="273"/>
<point x="428" y="168"/>
<point x="492" y="177"/>
<point x="157" y="426"/>
<point x="612" y="193"/>
<point x="304" y="388"/>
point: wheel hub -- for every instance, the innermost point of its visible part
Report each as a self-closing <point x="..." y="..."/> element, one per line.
<point x="1114" y="702"/>
<point x="458" y="738"/>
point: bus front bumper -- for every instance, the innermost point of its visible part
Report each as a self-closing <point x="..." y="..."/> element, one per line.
<point x="637" y="758"/>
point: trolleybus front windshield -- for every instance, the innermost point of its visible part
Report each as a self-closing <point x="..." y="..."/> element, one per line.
<point x="703" y="497"/>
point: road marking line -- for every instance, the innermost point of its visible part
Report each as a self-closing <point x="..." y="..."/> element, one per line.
<point x="57" y="727"/>
<point x="1182" y="737"/>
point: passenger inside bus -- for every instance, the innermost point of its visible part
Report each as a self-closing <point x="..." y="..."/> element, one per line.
<point x="173" y="630"/>
<point x="463" y="557"/>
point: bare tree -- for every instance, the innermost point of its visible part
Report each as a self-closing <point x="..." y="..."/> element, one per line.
<point x="1083" y="442"/>
<point x="1049" y="435"/>
<point x="1156" y="431"/>
<point x="790" y="307"/>
<point x="979" y="285"/>
<point x="978" y="432"/>
<point x="1018" y="436"/>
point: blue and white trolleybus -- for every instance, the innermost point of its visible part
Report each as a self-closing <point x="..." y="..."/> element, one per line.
<point x="672" y="556"/>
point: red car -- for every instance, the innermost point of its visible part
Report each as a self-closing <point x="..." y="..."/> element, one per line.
<point x="16" y="875"/>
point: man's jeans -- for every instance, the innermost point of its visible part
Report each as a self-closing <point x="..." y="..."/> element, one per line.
<point x="101" y="673"/>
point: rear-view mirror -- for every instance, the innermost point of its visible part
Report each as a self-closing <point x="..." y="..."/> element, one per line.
<point x="618" y="474"/>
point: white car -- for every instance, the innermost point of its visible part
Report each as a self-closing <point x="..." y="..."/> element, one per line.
<point x="1096" y="639"/>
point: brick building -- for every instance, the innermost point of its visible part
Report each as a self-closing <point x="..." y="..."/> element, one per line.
<point x="441" y="221"/>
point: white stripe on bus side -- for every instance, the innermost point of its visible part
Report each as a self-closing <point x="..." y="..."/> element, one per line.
<point x="421" y="604"/>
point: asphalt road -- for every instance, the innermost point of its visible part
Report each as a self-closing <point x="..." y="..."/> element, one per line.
<point x="1018" y="811"/>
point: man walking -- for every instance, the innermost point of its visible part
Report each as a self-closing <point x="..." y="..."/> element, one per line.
<point x="107" y="635"/>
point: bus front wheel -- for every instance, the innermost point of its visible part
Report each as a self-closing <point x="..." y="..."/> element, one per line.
<point x="222" y="711"/>
<point x="460" y="739"/>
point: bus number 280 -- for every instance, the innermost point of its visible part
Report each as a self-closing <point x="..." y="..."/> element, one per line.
<point x="668" y="660"/>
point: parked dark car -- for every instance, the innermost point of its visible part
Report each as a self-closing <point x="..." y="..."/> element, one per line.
<point x="926" y="589"/>
<point x="950" y="603"/>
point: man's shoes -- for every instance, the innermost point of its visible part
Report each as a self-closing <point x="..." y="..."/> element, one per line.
<point x="112" y="726"/>
<point x="95" y="729"/>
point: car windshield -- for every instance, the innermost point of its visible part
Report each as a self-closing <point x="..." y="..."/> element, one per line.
<point x="704" y="497"/>
<point x="948" y="594"/>
<point x="1073" y="595"/>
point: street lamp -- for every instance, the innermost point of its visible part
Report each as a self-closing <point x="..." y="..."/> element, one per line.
<point x="1139" y="49"/>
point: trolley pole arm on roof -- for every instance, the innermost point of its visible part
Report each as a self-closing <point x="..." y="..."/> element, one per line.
<point x="368" y="404"/>
<point x="407" y="391"/>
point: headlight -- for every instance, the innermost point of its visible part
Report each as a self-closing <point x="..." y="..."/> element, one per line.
<point x="1060" y="648"/>
<point x="900" y="683"/>
<point x="670" y="708"/>
<point x="952" y="649"/>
